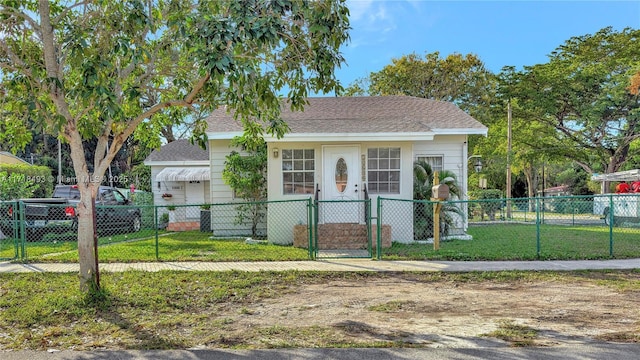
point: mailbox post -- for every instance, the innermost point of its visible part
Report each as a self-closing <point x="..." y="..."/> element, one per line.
<point x="439" y="192"/>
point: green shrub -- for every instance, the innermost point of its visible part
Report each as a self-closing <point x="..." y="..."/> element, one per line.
<point x="494" y="203"/>
<point x="38" y="176"/>
<point x="15" y="186"/>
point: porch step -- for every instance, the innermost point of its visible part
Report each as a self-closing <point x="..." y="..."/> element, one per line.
<point x="341" y="236"/>
<point x="183" y="226"/>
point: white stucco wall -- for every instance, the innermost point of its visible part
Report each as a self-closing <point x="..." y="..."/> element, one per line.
<point x="223" y="213"/>
<point x="453" y="149"/>
<point x="218" y="150"/>
<point x="400" y="228"/>
<point x="282" y="217"/>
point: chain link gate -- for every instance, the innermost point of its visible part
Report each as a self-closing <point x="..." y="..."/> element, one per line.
<point x="342" y="229"/>
<point x="11" y="242"/>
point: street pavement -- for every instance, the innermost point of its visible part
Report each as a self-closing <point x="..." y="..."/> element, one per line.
<point x="578" y="352"/>
<point x="498" y="351"/>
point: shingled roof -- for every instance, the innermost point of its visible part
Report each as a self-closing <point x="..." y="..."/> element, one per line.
<point x="179" y="150"/>
<point x="383" y="114"/>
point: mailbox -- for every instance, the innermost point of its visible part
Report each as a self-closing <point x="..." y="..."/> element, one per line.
<point x="440" y="192"/>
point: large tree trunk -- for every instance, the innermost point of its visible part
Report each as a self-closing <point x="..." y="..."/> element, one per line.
<point x="531" y="175"/>
<point x="87" y="254"/>
<point x="88" y="185"/>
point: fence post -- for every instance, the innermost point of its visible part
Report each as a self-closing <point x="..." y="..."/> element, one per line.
<point x="155" y="224"/>
<point x="379" y="229"/>
<point x="367" y="208"/>
<point x="538" y="202"/>
<point x="611" y="220"/>
<point x="310" y="228"/>
<point x="14" y="230"/>
<point x="23" y="230"/>
<point x="316" y="220"/>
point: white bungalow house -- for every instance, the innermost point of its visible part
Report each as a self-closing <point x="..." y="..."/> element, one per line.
<point x="180" y="173"/>
<point x="338" y="146"/>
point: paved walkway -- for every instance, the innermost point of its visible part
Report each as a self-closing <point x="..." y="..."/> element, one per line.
<point x="338" y="265"/>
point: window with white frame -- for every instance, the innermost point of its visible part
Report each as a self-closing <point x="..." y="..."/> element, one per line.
<point x="383" y="170"/>
<point x="436" y="162"/>
<point x="298" y="171"/>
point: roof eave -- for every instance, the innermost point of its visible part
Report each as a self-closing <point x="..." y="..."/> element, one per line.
<point x="316" y="137"/>
<point x="178" y="163"/>
<point x="223" y="135"/>
<point x="467" y="131"/>
<point x="381" y="136"/>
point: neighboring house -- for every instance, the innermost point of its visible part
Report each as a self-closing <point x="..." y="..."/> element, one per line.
<point x="340" y="146"/>
<point x="562" y="190"/>
<point x="9" y="158"/>
<point x="180" y="175"/>
<point x="550" y="205"/>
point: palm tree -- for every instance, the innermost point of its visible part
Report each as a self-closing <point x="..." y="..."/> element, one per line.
<point x="423" y="177"/>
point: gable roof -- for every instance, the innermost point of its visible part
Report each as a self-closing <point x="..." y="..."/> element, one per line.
<point x="373" y="117"/>
<point x="178" y="152"/>
<point x="9" y="158"/>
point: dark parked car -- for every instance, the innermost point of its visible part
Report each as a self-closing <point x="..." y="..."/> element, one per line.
<point x="57" y="215"/>
<point x="114" y="212"/>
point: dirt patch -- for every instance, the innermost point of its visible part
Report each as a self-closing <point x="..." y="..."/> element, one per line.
<point x="451" y="313"/>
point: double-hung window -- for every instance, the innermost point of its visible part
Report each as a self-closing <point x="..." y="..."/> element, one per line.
<point x="298" y="171"/>
<point x="383" y="170"/>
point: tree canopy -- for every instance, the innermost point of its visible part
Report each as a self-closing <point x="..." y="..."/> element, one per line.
<point x="457" y="78"/>
<point x="583" y="93"/>
<point x="634" y="86"/>
<point x="110" y="69"/>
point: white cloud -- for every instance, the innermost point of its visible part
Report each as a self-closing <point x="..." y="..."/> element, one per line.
<point x="357" y="8"/>
<point x="370" y="14"/>
<point x="370" y="21"/>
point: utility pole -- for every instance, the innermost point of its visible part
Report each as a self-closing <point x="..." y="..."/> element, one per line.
<point x="508" y="158"/>
<point x="59" y="162"/>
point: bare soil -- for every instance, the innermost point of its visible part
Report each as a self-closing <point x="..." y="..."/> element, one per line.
<point x="452" y="313"/>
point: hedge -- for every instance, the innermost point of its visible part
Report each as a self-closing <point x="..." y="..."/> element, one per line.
<point x="39" y="175"/>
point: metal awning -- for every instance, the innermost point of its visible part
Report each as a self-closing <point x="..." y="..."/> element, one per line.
<point x="629" y="175"/>
<point x="184" y="174"/>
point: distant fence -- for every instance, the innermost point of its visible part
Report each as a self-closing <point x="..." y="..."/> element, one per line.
<point x="571" y="227"/>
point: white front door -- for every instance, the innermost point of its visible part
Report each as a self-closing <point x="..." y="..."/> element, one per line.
<point x="194" y="192"/>
<point x="341" y="182"/>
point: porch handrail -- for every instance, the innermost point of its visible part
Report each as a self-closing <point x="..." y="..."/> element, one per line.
<point x="366" y="204"/>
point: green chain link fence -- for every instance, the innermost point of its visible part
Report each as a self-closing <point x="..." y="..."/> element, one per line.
<point x="569" y="227"/>
<point x="10" y="244"/>
<point x="572" y="227"/>
<point x="260" y="231"/>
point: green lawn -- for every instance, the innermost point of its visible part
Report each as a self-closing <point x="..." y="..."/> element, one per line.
<point x="183" y="246"/>
<point x="490" y="242"/>
<point x="518" y="242"/>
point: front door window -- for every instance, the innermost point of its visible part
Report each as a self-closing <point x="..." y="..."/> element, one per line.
<point x="341" y="175"/>
<point x="340" y="185"/>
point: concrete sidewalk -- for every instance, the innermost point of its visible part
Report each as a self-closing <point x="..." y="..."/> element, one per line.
<point x="338" y="265"/>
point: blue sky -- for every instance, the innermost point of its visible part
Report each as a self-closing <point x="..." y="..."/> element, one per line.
<point x="517" y="33"/>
